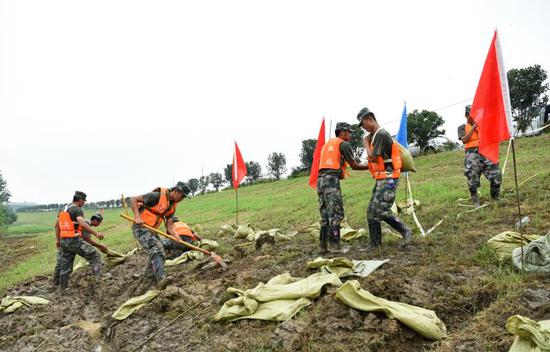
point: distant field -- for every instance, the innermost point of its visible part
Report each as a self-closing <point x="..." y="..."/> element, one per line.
<point x="291" y="204"/>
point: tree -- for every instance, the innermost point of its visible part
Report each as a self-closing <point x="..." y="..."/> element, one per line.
<point x="228" y="173"/>
<point x="423" y="126"/>
<point x="306" y="155"/>
<point x="527" y="94"/>
<point x="253" y="171"/>
<point x="5" y="195"/>
<point x="193" y="184"/>
<point x="203" y="184"/>
<point x="276" y="165"/>
<point x="216" y="180"/>
<point x="357" y="140"/>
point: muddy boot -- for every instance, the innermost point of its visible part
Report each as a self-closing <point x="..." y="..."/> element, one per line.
<point x="163" y="283"/>
<point x="495" y="192"/>
<point x="400" y="227"/>
<point x="375" y="236"/>
<point x="334" y="239"/>
<point x="63" y="283"/>
<point x="323" y="240"/>
<point x="474" y="197"/>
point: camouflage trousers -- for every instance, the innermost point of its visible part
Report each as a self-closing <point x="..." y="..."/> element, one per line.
<point x="70" y="247"/>
<point x="170" y="245"/>
<point x="331" y="205"/>
<point x="476" y="164"/>
<point x="155" y="252"/>
<point x="381" y="201"/>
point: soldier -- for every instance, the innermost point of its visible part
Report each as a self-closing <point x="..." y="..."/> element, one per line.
<point x="476" y="164"/>
<point x="68" y="229"/>
<point x="95" y="221"/>
<point x="184" y="233"/>
<point x="385" y="167"/>
<point x="336" y="155"/>
<point x="152" y="209"/>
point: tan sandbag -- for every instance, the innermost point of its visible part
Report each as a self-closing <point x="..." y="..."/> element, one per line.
<point x="343" y="267"/>
<point x="505" y="242"/>
<point x="536" y="256"/>
<point x="423" y="321"/>
<point x="185" y="257"/>
<point x="406" y="206"/>
<point x="406" y="159"/>
<point x="244" y="230"/>
<point x="133" y="304"/>
<point x="278" y="299"/>
<point x="531" y="336"/>
<point x="227" y="230"/>
<point x="10" y="304"/>
<point x="209" y="245"/>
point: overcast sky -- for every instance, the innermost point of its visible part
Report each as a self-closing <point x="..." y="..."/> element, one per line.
<point x="112" y="97"/>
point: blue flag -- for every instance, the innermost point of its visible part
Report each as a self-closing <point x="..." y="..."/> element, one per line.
<point x="402" y="133"/>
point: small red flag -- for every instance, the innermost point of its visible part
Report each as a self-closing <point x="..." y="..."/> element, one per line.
<point x="239" y="168"/>
<point x="314" y="172"/>
<point x="491" y="108"/>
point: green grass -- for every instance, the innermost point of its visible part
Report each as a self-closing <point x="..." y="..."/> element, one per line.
<point x="291" y="204"/>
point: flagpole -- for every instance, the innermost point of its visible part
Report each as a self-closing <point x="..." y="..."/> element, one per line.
<point x="237" y="206"/>
<point x="517" y="199"/>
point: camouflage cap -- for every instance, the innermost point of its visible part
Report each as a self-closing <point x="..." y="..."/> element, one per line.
<point x="97" y="217"/>
<point x="183" y="188"/>
<point x="343" y="126"/>
<point x="80" y="195"/>
<point x="363" y="113"/>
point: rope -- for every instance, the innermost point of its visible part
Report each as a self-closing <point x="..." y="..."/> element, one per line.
<point x="422" y="233"/>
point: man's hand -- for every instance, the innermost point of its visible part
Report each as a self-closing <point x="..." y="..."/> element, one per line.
<point x="99" y="235"/>
<point x="139" y="221"/>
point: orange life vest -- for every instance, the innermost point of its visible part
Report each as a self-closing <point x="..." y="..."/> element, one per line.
<point x="330" y="157"/>
<point x="67" y="227"/>
<point x="378" y="169"/>
<point x="474" y="138"/>
<point x="154" y="216"/>
<point x="182" y="229"/>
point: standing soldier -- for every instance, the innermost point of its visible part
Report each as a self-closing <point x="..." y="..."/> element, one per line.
<point x="152" y="209"/>
<point x="476" y="164"/>
<point x="385" y="166"/>
<point x="336" y="155"/>
<point x="68" y="229"/>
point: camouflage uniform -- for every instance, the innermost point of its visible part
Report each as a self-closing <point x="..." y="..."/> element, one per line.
<point x="70" y="247"/>
<point x="331" y="205"/>
<point x="379" y="209"/>
<point x="176" y="247"/>
<point x="155" y="250"/>
<point x="57" y="270"/>
<point x="476" y="164"/>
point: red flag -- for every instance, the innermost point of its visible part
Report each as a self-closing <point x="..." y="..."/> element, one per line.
<point x="239" y="168"/>
<point x="491" y="107"/>
<point x="314" y="172"/>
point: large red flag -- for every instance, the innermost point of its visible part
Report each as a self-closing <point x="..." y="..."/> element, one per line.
<point x="491" y="107"/>
<point x="239" y="168"/>
<point x="314" y="172"/>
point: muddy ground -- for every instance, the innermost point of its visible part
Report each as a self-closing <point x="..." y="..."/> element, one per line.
<point x="463" y="292"/>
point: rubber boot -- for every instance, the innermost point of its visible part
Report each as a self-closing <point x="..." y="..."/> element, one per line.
<point x="55" y="278"/>
<point x="63" y="282"/>
<point x="495" y="192"/>
<point x="375" y="236"/>
<point x="474" y="197"/>
<point x="400" y="227"/>
<point x="323" y="240"/>
<point x="334" y="239"/>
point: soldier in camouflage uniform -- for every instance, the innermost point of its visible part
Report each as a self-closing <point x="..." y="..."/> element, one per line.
<point x="95" y="221"/>
<point x="70" y="241"/>
<point x="476" y="164"/>
<point x="380" y="150"/>
<point x="336" y="154"/>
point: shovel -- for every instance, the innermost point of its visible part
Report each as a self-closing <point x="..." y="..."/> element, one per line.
<point x="214" y="256"/>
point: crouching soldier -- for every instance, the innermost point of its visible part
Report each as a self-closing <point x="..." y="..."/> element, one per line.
<point x="184" y="233"/>
<point x="95" y="221"/>
<point x="68" y="229"/>
<point x="152" y="209"/>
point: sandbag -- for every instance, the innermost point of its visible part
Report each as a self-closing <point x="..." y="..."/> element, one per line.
<point x="406" y="159"/>
<point x="133" y="304"/>
<point x="423" y="321"/>
<point x="505" y="242"/>
<point x="10" y="304"/>
<point x="243" y="231"/>
<point x="347" y="233"/>
<point x="343" y="267"/>
<point x="209" y="245"/>
<point x="530" y="335"/>
<point x="536" y="256"/>
<point x="227" y="230"/>
<point x="278" y="299"/>
<point x="185" y="257"/>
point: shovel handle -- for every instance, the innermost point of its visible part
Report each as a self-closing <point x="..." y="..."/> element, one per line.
<point x="167" y="235"/>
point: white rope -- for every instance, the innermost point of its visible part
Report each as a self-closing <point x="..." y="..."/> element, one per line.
<point x="422" y="233"/>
